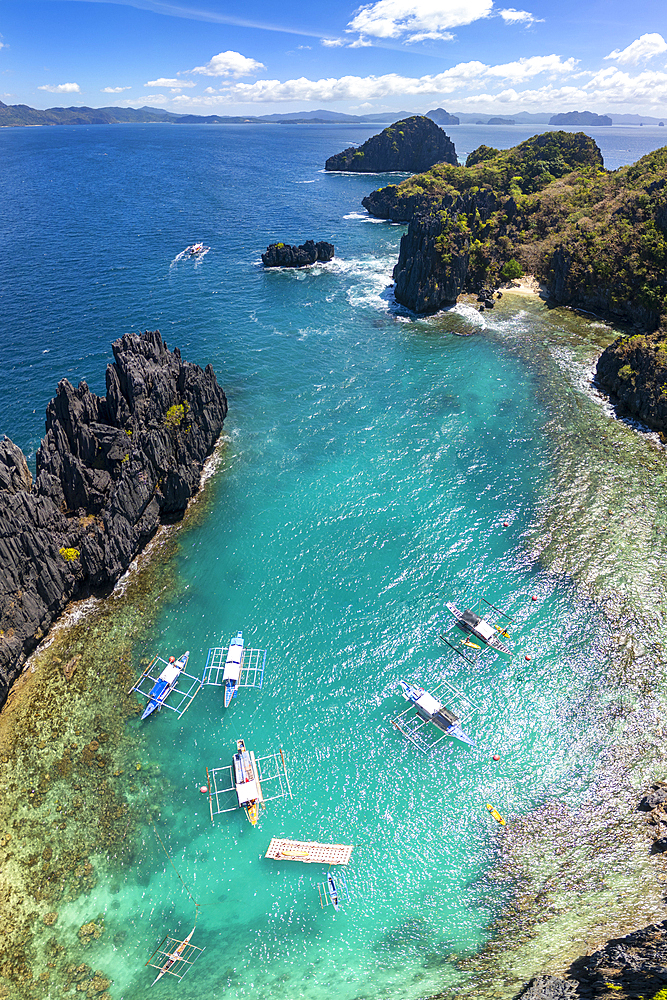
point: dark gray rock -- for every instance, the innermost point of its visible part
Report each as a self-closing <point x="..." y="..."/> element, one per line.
<point x="548" y="988"/>
<point x="656" y="795"/>
<point x="109" y="471"/>
<point x="284" y="255"/>
<point x="410" y="145"/>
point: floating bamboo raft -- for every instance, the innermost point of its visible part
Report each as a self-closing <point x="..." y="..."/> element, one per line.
<point x="309" y="851"/>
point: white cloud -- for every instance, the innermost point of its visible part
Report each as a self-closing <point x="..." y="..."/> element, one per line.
<point x="113" y="90"/>
<point x="166" y="82"/>
<point x="644" y="47"/>
<point x="417" y="19"/>
<point x="304" y="46"/>
<point x="229" y="64"/>
<point x="512" y="16"/>
<point x="332" y="43"/>
<point x="61" y="88"/>
<point x="356" y="88"/>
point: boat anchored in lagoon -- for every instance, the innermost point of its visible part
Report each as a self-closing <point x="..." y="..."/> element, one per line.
<point x="425" y="708"/>
<point x="246" y="780"/>
<point x="488" y="633"/>
<point x="162" y="685"/>
<point x="233" y="667"/>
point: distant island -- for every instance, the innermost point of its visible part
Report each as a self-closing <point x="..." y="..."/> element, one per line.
<point x="413" y="144"/>
<point x="22" y="114"/>
<point x="580" y="118"/>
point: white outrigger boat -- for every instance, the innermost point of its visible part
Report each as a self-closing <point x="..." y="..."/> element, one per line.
<point x="429" y="709"/>
<point x="232" y="671"/>
<point x="246" y="780"/>
<point x="165" y="683"/>
<point x="484" y="631"/>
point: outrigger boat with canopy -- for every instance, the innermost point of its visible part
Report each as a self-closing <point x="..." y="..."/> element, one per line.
<point x="233" y="667"/>
<point x="246" y="779"/>
<point x="479" y="629"/>
<point x="158" y="686"/>
<point x="425" y="708"/>
<point x="430" y="709"/>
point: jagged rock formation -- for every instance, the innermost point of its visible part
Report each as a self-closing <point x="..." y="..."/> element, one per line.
<point x="597" y="240"/>
<point x="412" y="145"/>
<point x="284" y="255"/>
<point x="108" y="472"/>
<point x="632" y="966"/>
<point x="634" y="370"/>
<point x="580" y="118"/>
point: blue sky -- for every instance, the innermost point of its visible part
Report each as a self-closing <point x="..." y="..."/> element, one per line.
<point x="231" y="57"/>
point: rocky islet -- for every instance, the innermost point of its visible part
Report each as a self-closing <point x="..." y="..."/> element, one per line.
<point x="412" y="144"/>
<point x="109" y="471"/>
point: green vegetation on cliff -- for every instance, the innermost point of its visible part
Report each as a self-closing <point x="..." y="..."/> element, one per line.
<point x="597" y="239"/>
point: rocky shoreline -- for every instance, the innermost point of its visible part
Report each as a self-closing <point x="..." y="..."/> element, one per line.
<point x="109" y="471"/>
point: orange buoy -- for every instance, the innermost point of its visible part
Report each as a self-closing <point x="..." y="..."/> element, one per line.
<point x="203" y="789"/>
<point x="506" y="524"/>
<point x="526" y="657"/>
<point x="496" y="757"/>
<point x="534" y="597"/>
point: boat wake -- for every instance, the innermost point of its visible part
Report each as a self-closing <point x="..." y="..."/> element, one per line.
<point x="194" y="252"/>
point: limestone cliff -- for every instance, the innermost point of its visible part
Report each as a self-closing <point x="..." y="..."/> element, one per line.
<point x="411" y="145"/>
<point x="108" y="472"/>
<point x="596" y="239"/>
<point x="634" y="370"/>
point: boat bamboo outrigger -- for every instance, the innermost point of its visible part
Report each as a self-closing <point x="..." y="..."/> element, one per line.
<point x="160" y="679"/>
<point x="174" y="957"/>
<point x="242" y="786"/>
<point x="480" y="631"/>
<point x="334" y="891"/>
<point x="426" y="708"/>
<point x="233" y="667"/>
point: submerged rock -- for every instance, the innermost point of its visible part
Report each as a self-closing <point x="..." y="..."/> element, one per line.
<point x="284" y="255"/>
<point x="109" y="471"/>
<point x="412" y="144"/>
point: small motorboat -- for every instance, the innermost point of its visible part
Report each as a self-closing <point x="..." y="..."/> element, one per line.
<point x="248" y="789"/>
<point x="431" y="710"/>
<point x="232" y="672"/>
<point x="175" y="956"/>
<point x="195" y="249"/>
<point x="165" y="683"/>
<point x="333" y="891"/>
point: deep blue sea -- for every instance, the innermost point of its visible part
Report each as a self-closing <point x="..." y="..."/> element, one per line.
<point x="371" y="461"/>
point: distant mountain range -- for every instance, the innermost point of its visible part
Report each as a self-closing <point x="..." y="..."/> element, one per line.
<point x="21" y="114"/>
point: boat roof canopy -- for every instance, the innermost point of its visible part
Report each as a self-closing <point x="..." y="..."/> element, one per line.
<point x="428" y="703"/>
<point x="170" y="673"/>
<point x="485" y="630"/>
<point x="247" y="791"/>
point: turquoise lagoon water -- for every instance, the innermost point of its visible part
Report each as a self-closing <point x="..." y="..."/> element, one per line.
<point x="370" y="463"/>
